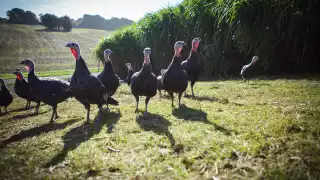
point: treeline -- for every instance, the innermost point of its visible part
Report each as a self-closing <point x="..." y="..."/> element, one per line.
<point x="50" y="21"/>
<point x="98" y="22"/>
<point x="283" y="33"/>
<point x="19" y="16"/>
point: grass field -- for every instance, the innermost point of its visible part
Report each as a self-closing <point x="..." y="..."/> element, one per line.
<point x="46" y="48"/>
<point x="265" y="130"/>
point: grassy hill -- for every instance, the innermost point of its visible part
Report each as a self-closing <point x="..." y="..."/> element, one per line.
<point x="232" y="130"/>
<point x="46" y="48"/>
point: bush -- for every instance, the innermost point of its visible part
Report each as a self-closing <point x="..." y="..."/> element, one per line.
<point x="66" y="23"/>
<point x="283" y="33"/>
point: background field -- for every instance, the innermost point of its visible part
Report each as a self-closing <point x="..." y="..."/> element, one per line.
<point x="269" y="130"/>
<point x="46" y="48"/>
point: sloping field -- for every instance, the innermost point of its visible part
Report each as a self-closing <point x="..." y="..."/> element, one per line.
<point x="46" y="48"/>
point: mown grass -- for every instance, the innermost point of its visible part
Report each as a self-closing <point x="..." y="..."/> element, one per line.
<point x="265" y="130"/>
<point x="47" y="48"/>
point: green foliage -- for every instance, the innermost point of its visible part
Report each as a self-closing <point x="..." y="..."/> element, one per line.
<point x="283" y="34"/>
<point x="66" y="23"/>
<point x="19" y="16"/>
<point x="98" y="22"/>
<point x="51" y="21"/>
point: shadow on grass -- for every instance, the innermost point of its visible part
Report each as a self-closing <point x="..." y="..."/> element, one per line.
<point x="25" y="109"/>
<point x="36" y="131"/>
<point x="157" y="124"/>
<point x="50" y="30"/>
<point x="83" y="133"/>
<point x="23" y="116"/>
<point x="196" y="115"/>
<point x="202" y="98"/>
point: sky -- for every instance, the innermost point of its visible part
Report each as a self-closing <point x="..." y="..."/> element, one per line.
<point x="131" y="9"/>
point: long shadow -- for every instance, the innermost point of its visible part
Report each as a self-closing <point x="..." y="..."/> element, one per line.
<point x="24" y="109"/>
<point x="36" y="131"/>
<point x="49" y="30"/>
<point x="23" y="116"/>
<point x="157" y="124"/>
<point x="196" y="115"/>
<point x="203" y="98"/>
<point x="83" y="133"/>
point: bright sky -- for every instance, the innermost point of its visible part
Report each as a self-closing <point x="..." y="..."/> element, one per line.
<point x="131" y="9"/>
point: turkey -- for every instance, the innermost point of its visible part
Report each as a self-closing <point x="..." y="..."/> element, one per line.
<point x="87" y="88"/>
<point x="175" y="79"/>
<point x="130" y="73"/>
<point x="246" y="68"/>
<point x="5" y="96"/>
<point x="191" y="65"/>
<point x="144" y="82"/>
<point x="108" y="77"/>
<point x="49" y="91"/>
<point x="22" y="89"/>
<point x="159" y="81"/>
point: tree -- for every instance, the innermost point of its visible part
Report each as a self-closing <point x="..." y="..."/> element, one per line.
<point x="30" y="18"/>
<point x="50" y="21"/>
<point x="66" y="23"/>
<point x="19" y="16"/>
<point x="3" y="20"/>
<point x="16" y="16"/>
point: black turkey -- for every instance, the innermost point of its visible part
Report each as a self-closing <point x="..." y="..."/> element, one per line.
<point x="144" y="82"/>
<point x="175" y="79"/>
<point x="87" y="88"/>
<point x="50" y="91"/>
<point x="22" y="89"/>
<point x="6" y="97"/>
<point x="108" y="77"/>
<point x="192" y="65"/>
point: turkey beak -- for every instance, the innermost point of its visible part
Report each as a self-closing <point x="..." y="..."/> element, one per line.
<point x="22" y="62"/>
<point x="68" y="45"/>
<point x="14" y="73"/>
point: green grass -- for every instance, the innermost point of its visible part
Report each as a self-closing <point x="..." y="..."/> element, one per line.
<point x="18" y="42"/>
<point x="267" y="130"/>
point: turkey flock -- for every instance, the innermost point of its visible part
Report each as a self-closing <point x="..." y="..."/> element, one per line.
<point x="89" y="89"/>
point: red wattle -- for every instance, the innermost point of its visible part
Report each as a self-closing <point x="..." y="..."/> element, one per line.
<point x="74" y="53"/>
<point x="18" y="76"/>
<point x="27" y="68"/>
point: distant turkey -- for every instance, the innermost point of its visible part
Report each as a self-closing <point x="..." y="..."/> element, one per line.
<point x="159" y="81"/>
<point x="245" y="71"/>
<point x="130" y="73"/>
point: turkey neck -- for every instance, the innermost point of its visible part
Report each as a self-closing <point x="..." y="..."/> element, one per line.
<point x="176" y="62"/>
<point x="81" y="66"/>
<point x="146" y="66"/>
<point x="108" y="66"/>
<point x="32" y="75"/>
<point x="193" y="56"/>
